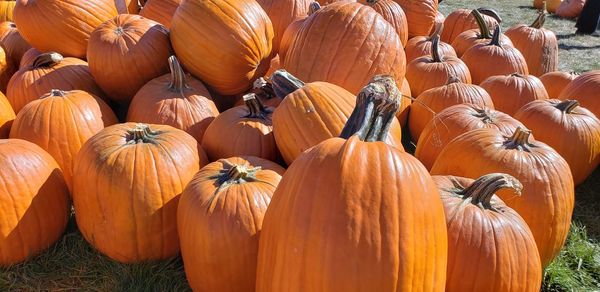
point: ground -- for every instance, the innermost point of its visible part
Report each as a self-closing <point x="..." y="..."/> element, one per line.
<point x="72" y="264"/>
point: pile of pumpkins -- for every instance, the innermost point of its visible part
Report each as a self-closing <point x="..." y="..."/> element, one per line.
<point x="262" y="139"/>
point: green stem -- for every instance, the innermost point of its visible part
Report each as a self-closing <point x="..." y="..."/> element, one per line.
<point x="285" y="83"/>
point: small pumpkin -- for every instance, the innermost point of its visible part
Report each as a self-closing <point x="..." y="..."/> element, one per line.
<point x="461" y="20"/>
<point x="7" y="116"/>
<point x="482" y="35"/>
<point x="161" y="11"/>
<point x="282" y="13"/>
<point x="556" y="81"/>
<point x="420" y="15"/>
<point x="291" y="31"/>
<point x="421" y="46"/>
<point x="573" y="131"/>
<point x="584" y="89"/>
<point x="218" y="229"/>
<point x="393" y="13"/>
<point x="510" y="92"/>
<point x="35" y="201"/>
<point x="570" y="8"/>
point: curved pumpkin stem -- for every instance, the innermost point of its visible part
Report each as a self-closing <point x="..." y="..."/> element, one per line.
<point x="483" y="189"/>
<point x="263" y="88"/>
<point x="438" y="30"/>
<point x="256" y="110"/>
<point x="485" y="115"/>
<point x="285" y="83"/>
<point x="539" y="21"/>
<point x="519" y="140"/>
<point x="141" y="134"/>
<point x="177" y="83"/>
<point x="490" y="12"/>
<point x="484" y="30"/>
<point x="376" y="107"/>
<point x="47" y="60"/>
<point x="436" y="55"/>
<point x="496" y="37"/>
<point x="567" y="106"/>
<point x="313" y="7"/>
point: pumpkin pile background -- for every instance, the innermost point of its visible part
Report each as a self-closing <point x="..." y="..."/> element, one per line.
<point x="278" y="145"/>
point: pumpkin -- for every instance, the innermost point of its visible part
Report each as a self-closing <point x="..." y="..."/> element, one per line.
<point x="432" y="71"/>
<point x="34" y="199"/>
<point x="341" y="58"/>
<point x="469" y="38"/>
<point x="291" y="31"/>
<point x="573" y="131"/>
<point x="421" y="46"/>
<point x="405" y="102"/>
<point x="326" y="2"/>
<point x="127" y="180"/>
<point x="439" y="20"/>
<point x="282" y="13"/>
<point x="215" y="41"/>
<point x="546" y="203"/>
<point x="63" y="26"/>
<point x="6" y="10"/>
<point x="510" y="92"/>
<point x="5" y="69"/>
<point x="538" y="45"/>
<point x="495" y="58"/>
<point x="46" y="72"/>
<point x="377" y="236"/>
<point x="570" y="8"/>
<point x="556" y="81"/>
<point x="393" y="13"/>
<point x="127" y="52"/>
<point x="14" y="46"/>
<point x="61" y="122"/>
<point x="585" y="89"/>
<point x="435" y="100"/>
<point x="550" y="5"/>
<point x="161" y="11"/>
<point x="455" y="121"/>
<point x="176" y="99"/>
<point x="29" y="57"/>
<point x="313" y="112"/>
<point x="218" y="229"/>
<point x="487" y="239"/>
<point x="420" y="15"/>
<point x="462" y="20"/>
<point x="7" y="116"/>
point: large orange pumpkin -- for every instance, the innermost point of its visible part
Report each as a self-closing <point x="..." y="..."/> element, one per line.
<point x="49" y="71"/>
<point x="585" y="89"/>
<point x="573" y="131"/>
<point x="61" y="122"/>
<point x="481" y="35"/>
<point x="421" y="46"/>
<point x="291" y="31"/>
<point x="282" y="13"/>
<point x="346" y="44"/>
<point x="34" y="199"/>
<point x="420" y="15"/>
<point x="487" y="239"/>
<point x="63" y="26"/>
<point x="455" y="121"/>
<point x="127" y="180"/>
<point x="176" y="99"/>
<point x="556" y="81"/>
<point x="7" y="115"/>
<point x="570" y="8"/>
<point x="462" y="20"/>
<point x="14" y="46"/>
<point x="218" y="229"/>
<point x="217" y="43"/>
<point x="510" y="92"/>
<point x="547" y="199"/>
<point x="161" y="11"/>
<point x="354" y="213"/>
<point x="393" y="13"/>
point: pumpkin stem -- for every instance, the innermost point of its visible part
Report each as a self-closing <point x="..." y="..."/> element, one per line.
<point x="141" y="134"/>
<point x="177" y="83"/>
<point x="263" y="88"/>
<point x="483" y="189"/>
<point x="519" y="140"/>
<point x="496" y="37"/>
<point x="376" y="107"/>
<point x="484" y="30"/>
<point x="490" y="12"/>
<point x="567" y="106"/>
<point x="485" y="115"/>
<point x="435" y="49"/>
<point x="540" y="20"/>
<point x="256" y="110"/>
<point x="453" y="79"/>
<point x="234" y="174"/>
<point x="438" y="30"/>
<point x="55" y="92"/>
<point x="285" y="83"/>
<point x="47" y="60"/>
<point x="313" y="7"/>
<point x="241" y="172"/>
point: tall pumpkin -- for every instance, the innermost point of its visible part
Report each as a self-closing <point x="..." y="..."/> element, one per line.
<point x="215" y="41"/>
<point x="282" y="13"/>
<point x="393" y="13"/>
<point x="63" y="26"/>
<point x="487" y="239"/>
<point x="585" y="89"/>
<point x="373" y="224"/>
<point x="176" y="99"/>
<point x="218" y="228"/>
<point x="421" y="46"/>
<point x="546" y="202"/>
<point x="510" y="92"/>
<point x="61" y="122"/>
<point x="538" y="45"/>
<point x="420" y="15"/>
<point x="329" y="47"/>
<point x="126" y="186"/>
<point x="573" y="131"/>
<point x="461" y="20"/>
<point x="7" y="116"/>
<point x="556" y="81"/>
<point x="481" y="35"/>
<point x="161" y="11"/>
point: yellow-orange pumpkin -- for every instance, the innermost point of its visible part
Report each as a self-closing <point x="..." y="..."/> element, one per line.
<point x="7" y="115"/>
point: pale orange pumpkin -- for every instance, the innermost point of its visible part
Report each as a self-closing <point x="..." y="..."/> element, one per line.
<point x="461" y="20"/>
<point x="510" y="92"/>
<point x="556" y="81"/>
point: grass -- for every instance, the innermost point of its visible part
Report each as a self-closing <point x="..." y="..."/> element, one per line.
<point x="72" y="264"/>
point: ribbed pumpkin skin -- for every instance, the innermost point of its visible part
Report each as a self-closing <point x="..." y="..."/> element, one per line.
<point x="539" y="46"/>
<point x="485" y="60"/>
<point x="29" y="57"/>
<point x="421" y="46"/>
<point x="426" y="73"/>
<point x="585" y="89"/>
<point x="7" y="115"/>
<point x="420" y="15"/>
<point x="6" y="10"/>
<point x="570" y="8"/>
<point x="287" y="38"/>
<point x="511" y="92"/>
<point x="14" y="46"/>
<point x="546" y="202"/>
<point x="460" y="21"/>
<point x="31" y="82"/>
<point x="34" y="200"/>
<point x="63" y="26"/>
<point x="556" y="81"/>
<point x="440" y="98"/>
<point x="573" y="133"/>
<point x="127" y="52"/>
<point x="393" y="13"/>
<point x="217" y="43"/>
<point x="126" y="195"/>
<point x="455" y="121"/>
<point x="485" y="244"/>
<point x="282" y="13"/>
<point x="219" y="229"/>
<point x="316" y="112"/>
<point x="61" y="122"/>
<point x="161" y="11"/>
<point x="359" y="44"/>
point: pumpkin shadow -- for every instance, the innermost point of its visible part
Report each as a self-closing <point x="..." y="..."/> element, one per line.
<point x="587" y="205"/>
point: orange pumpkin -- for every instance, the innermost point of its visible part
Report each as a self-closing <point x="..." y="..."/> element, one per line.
<point x="291" y="31"/>
<point x="550" y="5"/>
<point x="421" y="46"/>
<point x="573" y="131"/>
<point x="218" y="229"/>
<point x="7" y="116"/>
<point x="29" y="57"/>
<point x="46" y="72"/>
<point x="407" y="98"/>
<point x="5" y="69"/>
<point x="340" y="58"/>
<point x="14" y="46"/>
<point x="439" y="20"/>
<point x="435" y="100"/>
<point x="63" y="26"/>
<point x="6" y="9"/>
<point x="215" y="41"/>
<point x="585" y="89"/>
<point x="61" y="122"/>
<point x="570" y="8"/>
<point x="546" y="202"/>
<point x="176" y="99"/>
<point x="34" y="199"/>
<point x="486" y="238"/>
<point x="455" y="121"/>
<point x="556" y="81"/>
<point x="482" y="35"/>
<point x="462" y="20"/>
<point x="510" y="92"/>
<point x="420" y="15"/>
<point x="282" y="13"/>
<point x="377" y="236"/>
<point x="161" y="11"/>
<point x="393" y="13"/>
